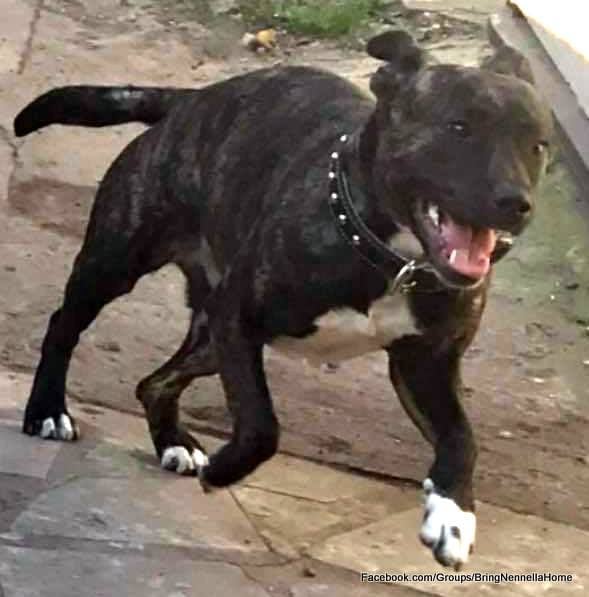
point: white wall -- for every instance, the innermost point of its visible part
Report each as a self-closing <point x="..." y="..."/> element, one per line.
<point x="563" y="28"/>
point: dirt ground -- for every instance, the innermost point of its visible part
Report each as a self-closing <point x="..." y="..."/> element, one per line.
<point x="526" y="375"/>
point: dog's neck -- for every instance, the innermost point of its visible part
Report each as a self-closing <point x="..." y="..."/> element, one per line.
<point x="356" y="155"/>
<point x="363" y="223"/>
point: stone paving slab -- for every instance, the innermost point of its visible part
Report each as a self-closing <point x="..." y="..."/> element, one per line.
<point x="60" y="573"/>
<point x="295" y="503"/>
<point x="307" y="480"/>
<point x="107" y="489"/>
<point x="15" y="493"/>
<point x="22" y="455"/>
<point x="506" y="542"/>
<point x="314" y="579"/>
<point x="117" y="429"/>
<point x="153" y="508"/>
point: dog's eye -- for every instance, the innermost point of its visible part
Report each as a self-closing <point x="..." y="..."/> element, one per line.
<point x="460" y="128"/>
<point x="541" y="148"/>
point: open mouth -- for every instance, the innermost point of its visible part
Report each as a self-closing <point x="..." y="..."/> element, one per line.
<point x="461" y="253"/>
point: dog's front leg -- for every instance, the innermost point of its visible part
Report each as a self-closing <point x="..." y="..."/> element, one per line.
<point x="427" y="380"/>
<point x="239" y="353"/>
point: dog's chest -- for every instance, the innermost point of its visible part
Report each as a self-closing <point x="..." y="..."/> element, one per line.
<point x="345" y="333"/>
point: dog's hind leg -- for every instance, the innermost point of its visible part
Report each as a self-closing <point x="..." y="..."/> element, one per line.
<point x="95" y="281"/>
<point x="427" y="381"/>
<point x="159" y="392"/>
<point x="122" y="244"/>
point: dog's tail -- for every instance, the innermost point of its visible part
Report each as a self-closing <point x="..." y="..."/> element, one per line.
<point x="98" y="106"/>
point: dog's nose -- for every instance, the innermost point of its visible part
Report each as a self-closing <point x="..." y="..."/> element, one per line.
<point x="514" y="202"/>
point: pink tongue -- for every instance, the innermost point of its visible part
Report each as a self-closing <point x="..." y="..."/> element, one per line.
<point x="472" y="250"/>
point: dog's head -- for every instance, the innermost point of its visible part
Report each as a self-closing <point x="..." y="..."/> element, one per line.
<point x="456" y="152"/>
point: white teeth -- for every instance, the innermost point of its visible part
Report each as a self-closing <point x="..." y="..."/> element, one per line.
<point x="456" y="253"/>
<point x="434" y="213"/>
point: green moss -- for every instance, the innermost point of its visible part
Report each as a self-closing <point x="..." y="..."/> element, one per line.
<point x="321" y="18"/>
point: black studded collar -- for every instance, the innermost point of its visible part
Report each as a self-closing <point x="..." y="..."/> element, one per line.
<point x="407" y="274"/>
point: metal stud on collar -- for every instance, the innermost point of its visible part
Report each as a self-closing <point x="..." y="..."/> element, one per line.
<point x="334" y="195"/>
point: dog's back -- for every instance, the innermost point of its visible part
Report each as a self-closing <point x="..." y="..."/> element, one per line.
<point x="226" y="147"/>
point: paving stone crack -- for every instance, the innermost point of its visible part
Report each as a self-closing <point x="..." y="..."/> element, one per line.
<point x="264" y="539"/>
<point x="253" y="579"/>
<point x="205" y="553"/>
<point x="6" y="136"/>
<point x="290" y="494"/>
<point x="28" y="49"/>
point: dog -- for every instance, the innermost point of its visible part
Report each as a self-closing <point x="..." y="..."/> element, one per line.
<point x="312" y="217"/>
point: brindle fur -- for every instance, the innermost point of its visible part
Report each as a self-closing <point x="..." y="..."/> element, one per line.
<point x="230" y="183"/>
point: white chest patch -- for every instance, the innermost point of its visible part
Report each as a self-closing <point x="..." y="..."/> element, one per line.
<point x="344" y="333"/>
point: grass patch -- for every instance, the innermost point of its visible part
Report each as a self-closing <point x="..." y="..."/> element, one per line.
<point x="321" y="18"/>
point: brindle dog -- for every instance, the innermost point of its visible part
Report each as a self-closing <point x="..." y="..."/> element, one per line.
<point x="308" y="216"/>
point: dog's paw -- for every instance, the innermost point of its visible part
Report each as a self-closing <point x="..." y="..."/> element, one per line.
<point x="179" y="460"/>
<point x="447" y="530"/>
<point x="62" y="427"/>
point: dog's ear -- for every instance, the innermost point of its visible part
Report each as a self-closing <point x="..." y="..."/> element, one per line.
<point x="397" y="47"/>
<point x="403" y="56"/>
<point x="508" y="61"/>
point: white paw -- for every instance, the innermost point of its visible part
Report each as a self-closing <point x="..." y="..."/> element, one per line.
<point x="181" y="461"/>
<point x="62" y="429"/>
<point x="447" y="530"/>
